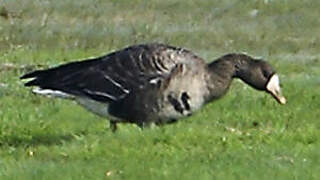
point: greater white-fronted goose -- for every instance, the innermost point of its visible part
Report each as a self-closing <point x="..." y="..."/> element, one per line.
<point x="151" y="83"/>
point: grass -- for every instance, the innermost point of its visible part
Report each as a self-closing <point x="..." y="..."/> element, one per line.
<point x="245" y="135"/>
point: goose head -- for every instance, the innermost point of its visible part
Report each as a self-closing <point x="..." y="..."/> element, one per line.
<point x="260" y="75"/>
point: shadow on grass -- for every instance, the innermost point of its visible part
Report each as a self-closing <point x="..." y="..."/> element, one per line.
<point x="43" y="139"/>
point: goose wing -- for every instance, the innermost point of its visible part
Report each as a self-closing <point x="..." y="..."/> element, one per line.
<point x="111" y="77"/>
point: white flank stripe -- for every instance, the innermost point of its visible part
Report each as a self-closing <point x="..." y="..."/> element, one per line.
<point x="117" y="84"/>
<point x="53" y="93"/>
<point x="101" y="94"/>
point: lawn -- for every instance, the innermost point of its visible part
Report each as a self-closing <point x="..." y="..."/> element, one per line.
<point x="245" y="135"/>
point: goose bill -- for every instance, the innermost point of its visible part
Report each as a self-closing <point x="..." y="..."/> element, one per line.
<point x="273" y="87"/>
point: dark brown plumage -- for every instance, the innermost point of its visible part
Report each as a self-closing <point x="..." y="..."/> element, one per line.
<point x="152" y="83"/>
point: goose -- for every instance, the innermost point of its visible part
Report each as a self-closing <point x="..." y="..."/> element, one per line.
<point x="151" y="83"/>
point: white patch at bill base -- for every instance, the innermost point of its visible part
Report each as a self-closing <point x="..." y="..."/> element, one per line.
<point x="274" y="83"/>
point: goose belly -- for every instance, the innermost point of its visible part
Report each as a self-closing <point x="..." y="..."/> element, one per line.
<point x="101" y="109"/>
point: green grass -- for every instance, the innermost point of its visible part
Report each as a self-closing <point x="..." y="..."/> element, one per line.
<point x="245" y="135"/>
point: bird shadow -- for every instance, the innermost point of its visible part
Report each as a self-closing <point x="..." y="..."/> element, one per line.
<point x="36" y="140"/>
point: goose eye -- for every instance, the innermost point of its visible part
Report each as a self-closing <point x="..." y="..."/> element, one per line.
<point x="266" y="74"/>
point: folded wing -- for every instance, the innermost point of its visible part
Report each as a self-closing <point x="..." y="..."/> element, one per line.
<point x="111" y="77"/>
